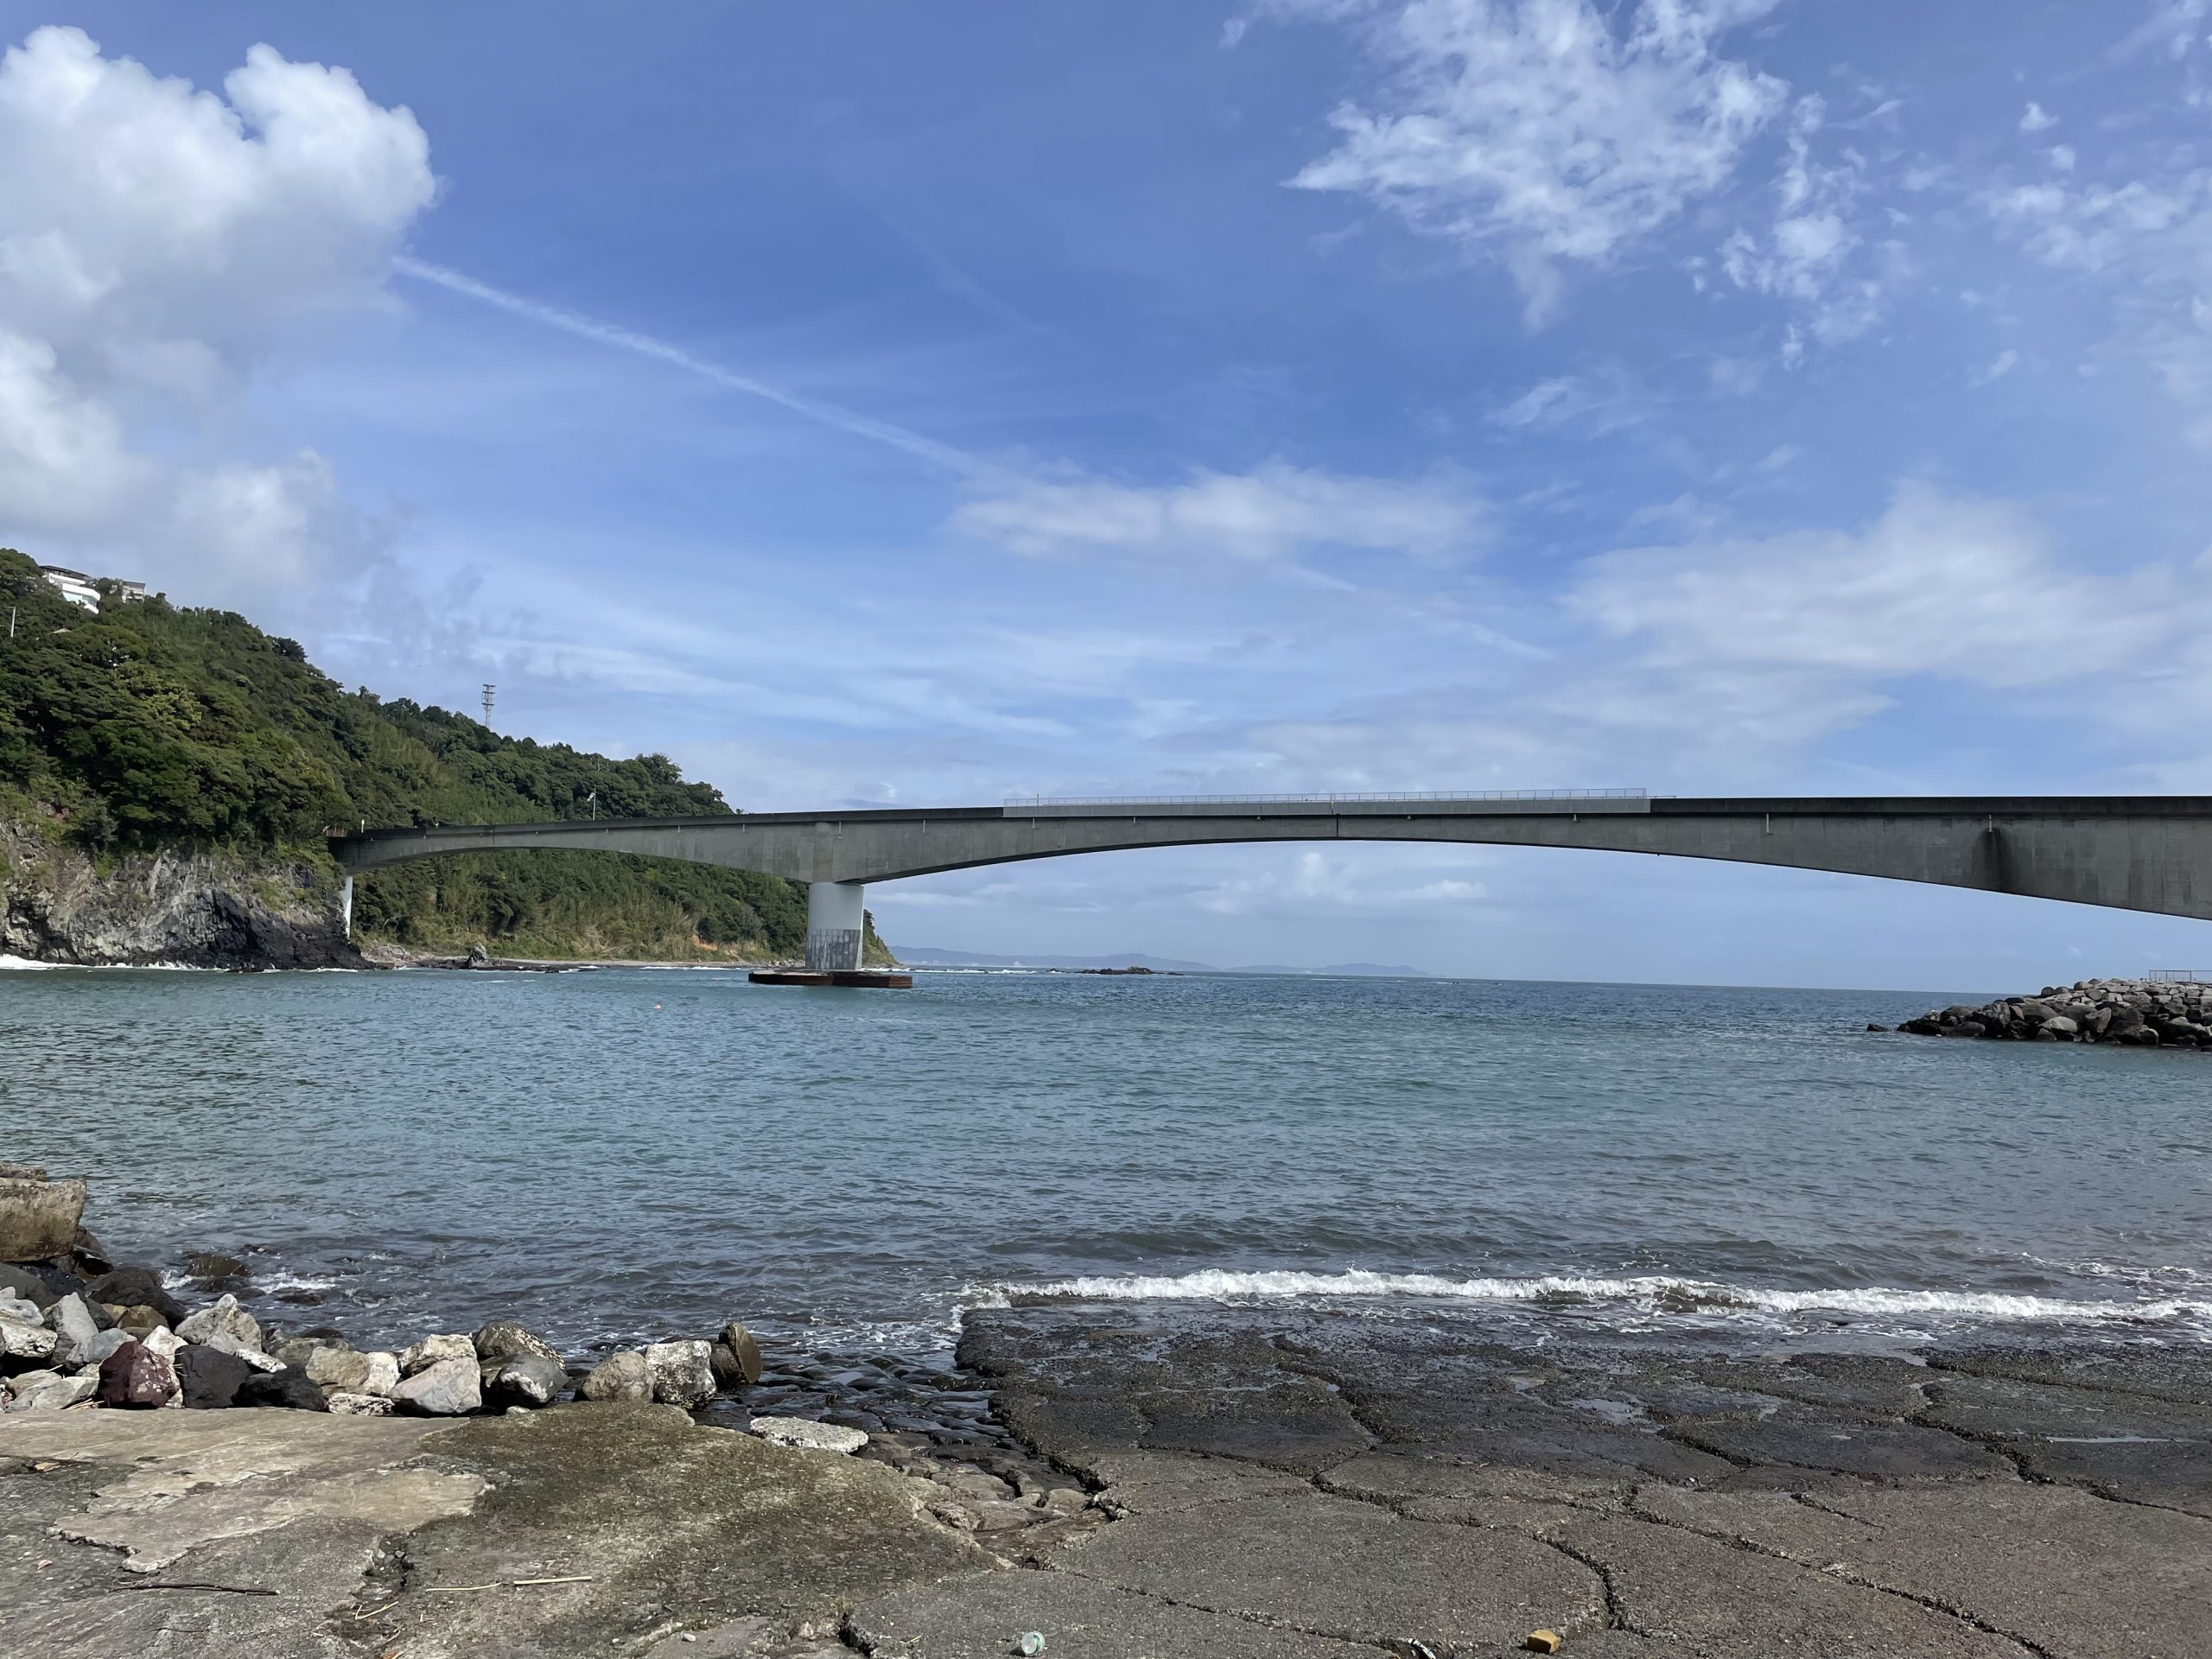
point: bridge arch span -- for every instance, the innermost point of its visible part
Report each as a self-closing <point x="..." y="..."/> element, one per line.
<point x="2146" y="852"/>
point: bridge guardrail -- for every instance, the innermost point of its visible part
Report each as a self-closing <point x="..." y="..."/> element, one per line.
<point x="1026" y="803"/>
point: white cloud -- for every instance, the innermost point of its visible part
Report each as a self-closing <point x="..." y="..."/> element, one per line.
<point x="2037" y="119"/>
<point x="1604" y="400"/>
<point x="1938" y="585"/>
<point x="1806" y="254"/>
<point x="2097" y="228"/>
<point x="2006" y="362"/>
<point x="1275" y="511"/>
<point x="155" y="242"/>
<point x="1544" y="132"/>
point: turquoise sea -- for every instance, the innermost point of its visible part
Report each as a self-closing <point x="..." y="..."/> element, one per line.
<point x="626" y="1153"/>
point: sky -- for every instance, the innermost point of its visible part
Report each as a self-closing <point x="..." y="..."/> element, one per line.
<point x="926" y="404"/>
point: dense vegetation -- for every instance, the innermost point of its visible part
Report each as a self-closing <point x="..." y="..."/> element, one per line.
<point x="148" y="727"/>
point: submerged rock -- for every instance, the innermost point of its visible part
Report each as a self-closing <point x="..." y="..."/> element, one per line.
<point x="736" y="1358"/>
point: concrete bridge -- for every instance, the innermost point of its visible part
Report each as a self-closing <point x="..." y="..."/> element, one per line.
<point x="2141" y="852"/>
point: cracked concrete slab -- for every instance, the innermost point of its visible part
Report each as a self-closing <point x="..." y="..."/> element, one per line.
<point x="1727" y="1603"/>
<point x="1334" y="1566"/>
<point x="1816" y="1440"/>
<point x="984" y="1618"/>
<point x="2068" y="1572"/>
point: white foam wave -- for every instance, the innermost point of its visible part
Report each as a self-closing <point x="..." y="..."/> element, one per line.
<point x="10" y="964"/>
<point x="1654" y="1294"/>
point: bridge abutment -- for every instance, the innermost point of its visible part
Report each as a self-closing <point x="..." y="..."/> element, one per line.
<point x="836" y="918"/>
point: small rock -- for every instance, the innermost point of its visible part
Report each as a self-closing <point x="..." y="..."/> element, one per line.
<point x="681" y="1373"/>
<point x="807" y="1434"/>
<point x="503" y="1340"/>
<point x="100" y="1349"/>
<point x="335" y="1368"/>
<point x="137" y="1287"/>
<point x="222" y="1343"/>
<point x="623" y="1375"/>
<point x="446" y="1387"/>
<point x="528" y="1380"/>
<point x="357" y="1405"/>
<point x="383" y="1373"/>
<point x="19" y="1340"/>
<point x="225" y="1319"/>
<point x="436" y="1350"/>
<point x="50" y="1391"/>
<point x="22" y="1309"/>
<point x="136" y="1377"/>
<point x="210" y="1378"/>
<point x="162" y="1340"/>
<point x="286" y="1386"/>
<point x="744" y="1351"/>
<point x="141" y="1321"/>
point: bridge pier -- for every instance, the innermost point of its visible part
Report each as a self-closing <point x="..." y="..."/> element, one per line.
<point x="836" y="916"/>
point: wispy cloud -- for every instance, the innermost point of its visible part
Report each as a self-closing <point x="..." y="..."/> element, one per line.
<point x="853" y="423"/>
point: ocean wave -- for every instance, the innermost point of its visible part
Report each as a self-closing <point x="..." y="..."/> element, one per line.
<point x="1650" y="1294"/>
<point x="10" y="964"/>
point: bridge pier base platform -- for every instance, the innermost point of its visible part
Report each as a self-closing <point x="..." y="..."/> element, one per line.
<point x="860" y="979"/>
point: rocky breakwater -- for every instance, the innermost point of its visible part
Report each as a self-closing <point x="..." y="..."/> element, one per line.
<point x="79" y="1333"/>
<point x="2134" y="1012"/>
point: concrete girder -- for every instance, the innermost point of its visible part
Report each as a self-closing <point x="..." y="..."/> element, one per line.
<point x="2151" y="853"/>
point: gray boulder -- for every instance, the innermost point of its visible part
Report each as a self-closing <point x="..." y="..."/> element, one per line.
<point x="383" y="1373"/>
<point x="335" y="1368"/>
<point x="96" y="1352"/>
<point x="21" y="1309"/>
<point x="682" y="1372"/>
<point x="526" y="1380"/>
<point x="503" y="1340"/>
<point x="224" y="1343"/>
<point x="623" y="1375"/>
<point x="225" y="1319"/>
<point x="445" y="1387"/>
<point x="743" y="1363"/>
<point x="72" y="1321"/>
<point x="21" y="1339"/>
<point x="436" y="1350"/>
<point x="38" y="1218"/>
<point x="49" y="1391"/>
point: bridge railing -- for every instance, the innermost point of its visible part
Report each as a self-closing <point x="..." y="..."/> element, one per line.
<point x="1027" y="803"/>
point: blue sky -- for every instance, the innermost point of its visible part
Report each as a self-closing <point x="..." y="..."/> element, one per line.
<point x="919" y="403"/>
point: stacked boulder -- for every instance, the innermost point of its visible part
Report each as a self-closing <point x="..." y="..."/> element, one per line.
<point x="75" y="1330"/>
<point x="2134" y="1012"/>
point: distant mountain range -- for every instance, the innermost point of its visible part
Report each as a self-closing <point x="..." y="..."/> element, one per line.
<point x="916" y="956"/>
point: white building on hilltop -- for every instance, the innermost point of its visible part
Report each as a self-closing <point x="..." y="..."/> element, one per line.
<point x="83" y="590"/>
<point x="75" y="585"/>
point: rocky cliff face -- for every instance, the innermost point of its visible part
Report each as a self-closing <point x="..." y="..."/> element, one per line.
<point x="196" y="910"/>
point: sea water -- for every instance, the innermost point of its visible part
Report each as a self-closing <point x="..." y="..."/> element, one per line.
<point x="626" y="1152"/>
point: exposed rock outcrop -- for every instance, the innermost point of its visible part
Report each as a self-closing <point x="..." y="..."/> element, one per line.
<point x="194" y="910"/>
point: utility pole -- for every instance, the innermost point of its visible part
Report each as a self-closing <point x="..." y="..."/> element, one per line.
<point x="592" y="801"/>
<point x="489" y="690"/>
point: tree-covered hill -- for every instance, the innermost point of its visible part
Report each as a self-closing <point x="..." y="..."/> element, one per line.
<point x="148" y="727"/>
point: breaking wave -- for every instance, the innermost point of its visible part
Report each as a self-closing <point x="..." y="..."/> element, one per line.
<point x="1652" y="1294"/>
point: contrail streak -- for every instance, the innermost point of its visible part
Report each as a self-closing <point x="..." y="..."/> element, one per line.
<point x="660" y="351"/>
